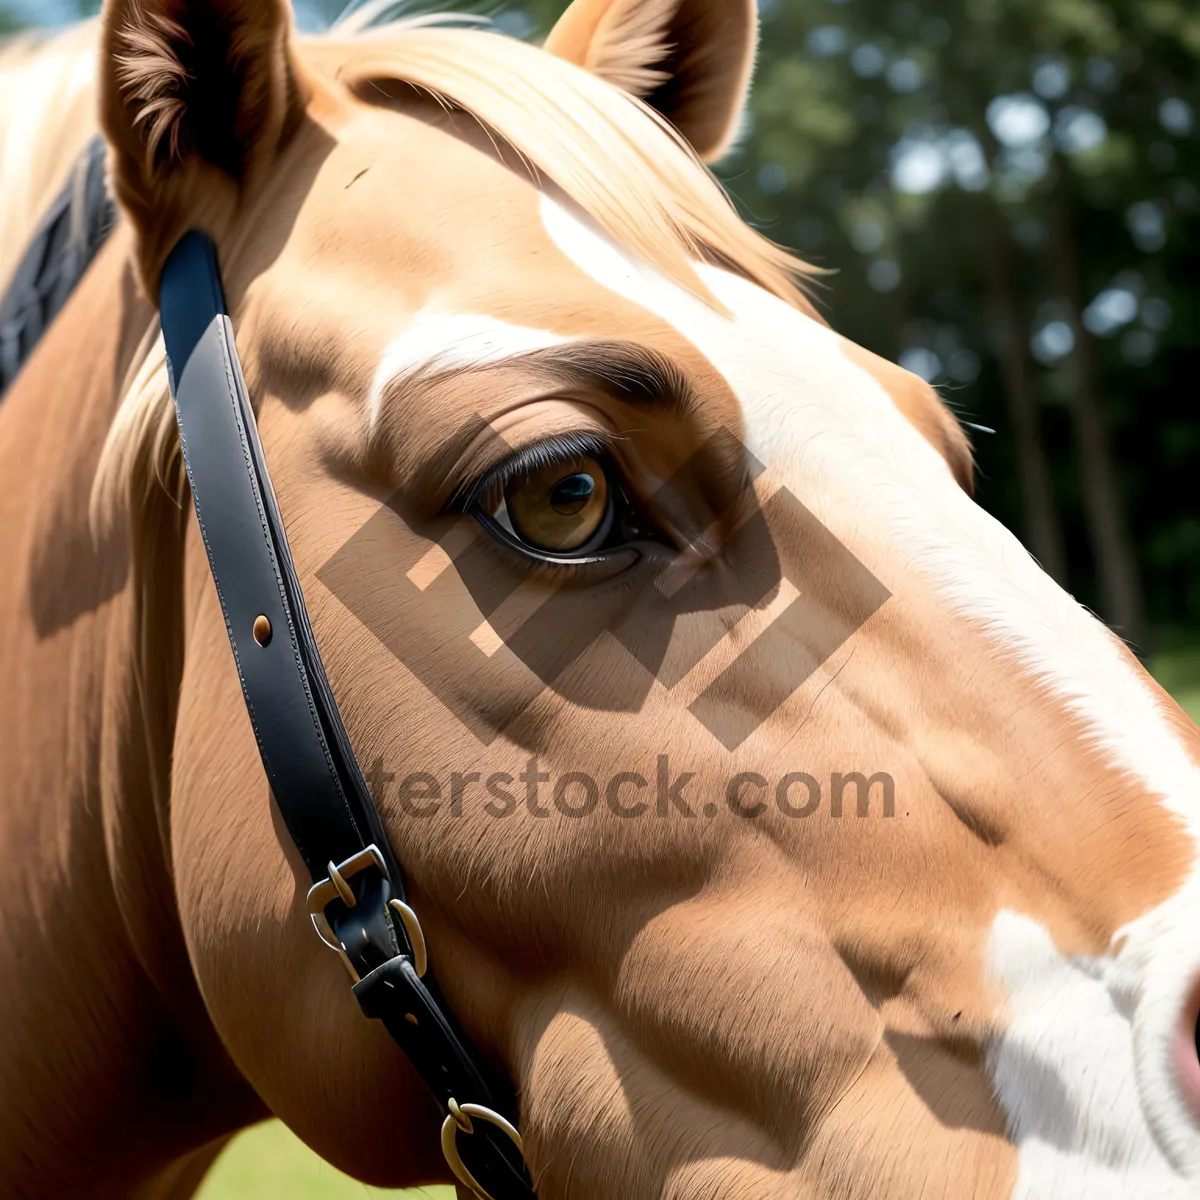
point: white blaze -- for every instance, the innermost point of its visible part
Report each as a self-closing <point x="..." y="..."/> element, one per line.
<point x="441" y="342"/>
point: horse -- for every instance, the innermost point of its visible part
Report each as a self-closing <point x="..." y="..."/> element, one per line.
<point x="776" y="826"/>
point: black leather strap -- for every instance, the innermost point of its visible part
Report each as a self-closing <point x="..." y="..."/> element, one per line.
<point x="314" y="775"/>
<point x="417" y="1018"/>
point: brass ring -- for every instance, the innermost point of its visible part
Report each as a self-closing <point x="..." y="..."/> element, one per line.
<point x="416" y="937"/>
<point x="460" y="1118"/>
<point x="450" y="1127"/>
<point x="343" y="888"/>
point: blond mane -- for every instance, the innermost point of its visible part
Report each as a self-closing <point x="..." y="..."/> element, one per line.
<point x="47" y="116"/>
<point x="613" y="156"/>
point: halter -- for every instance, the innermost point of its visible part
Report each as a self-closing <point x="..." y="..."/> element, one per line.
<point x="357" y="900"/>
<point x="68" y="237"/>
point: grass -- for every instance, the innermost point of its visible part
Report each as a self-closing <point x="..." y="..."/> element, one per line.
<point x="1179" y="673"/>
<point x="1189" y="701"/>
<point x="269" y="1163"/>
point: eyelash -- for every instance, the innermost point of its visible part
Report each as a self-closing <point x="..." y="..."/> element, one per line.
<point x="546" y="453"/>
<point x="481" y="496"/>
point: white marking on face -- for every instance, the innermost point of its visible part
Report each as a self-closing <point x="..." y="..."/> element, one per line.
<point x="775" y="358"/>
<point x="440" y="342"/>
<point x="1063" y="1073"/>
<point x="851" y="456"/>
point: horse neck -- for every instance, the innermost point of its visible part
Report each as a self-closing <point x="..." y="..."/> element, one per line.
<point x="107" y="1030"/>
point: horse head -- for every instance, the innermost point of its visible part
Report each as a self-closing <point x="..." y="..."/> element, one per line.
<point x="776" y="825"/>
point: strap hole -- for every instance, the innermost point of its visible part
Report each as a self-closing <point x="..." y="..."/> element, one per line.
<point x="262" y="630"/>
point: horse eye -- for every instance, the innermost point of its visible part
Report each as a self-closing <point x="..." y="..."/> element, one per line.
<point x="561" y="507"/>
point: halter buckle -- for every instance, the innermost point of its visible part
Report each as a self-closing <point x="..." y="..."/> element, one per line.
<point x="335" y="887"/>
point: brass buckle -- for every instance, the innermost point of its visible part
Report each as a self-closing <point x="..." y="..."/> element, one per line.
<point x="335" y="887"/>
<point x="460" y="1120"/>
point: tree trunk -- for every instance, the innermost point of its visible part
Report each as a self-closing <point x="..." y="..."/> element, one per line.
<point x="1122" y="604"/>
<point x="1043" y="533"/>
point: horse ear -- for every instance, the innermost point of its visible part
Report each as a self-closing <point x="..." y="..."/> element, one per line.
<point x="689" y="59"/>
<point x="196" y="99"/>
